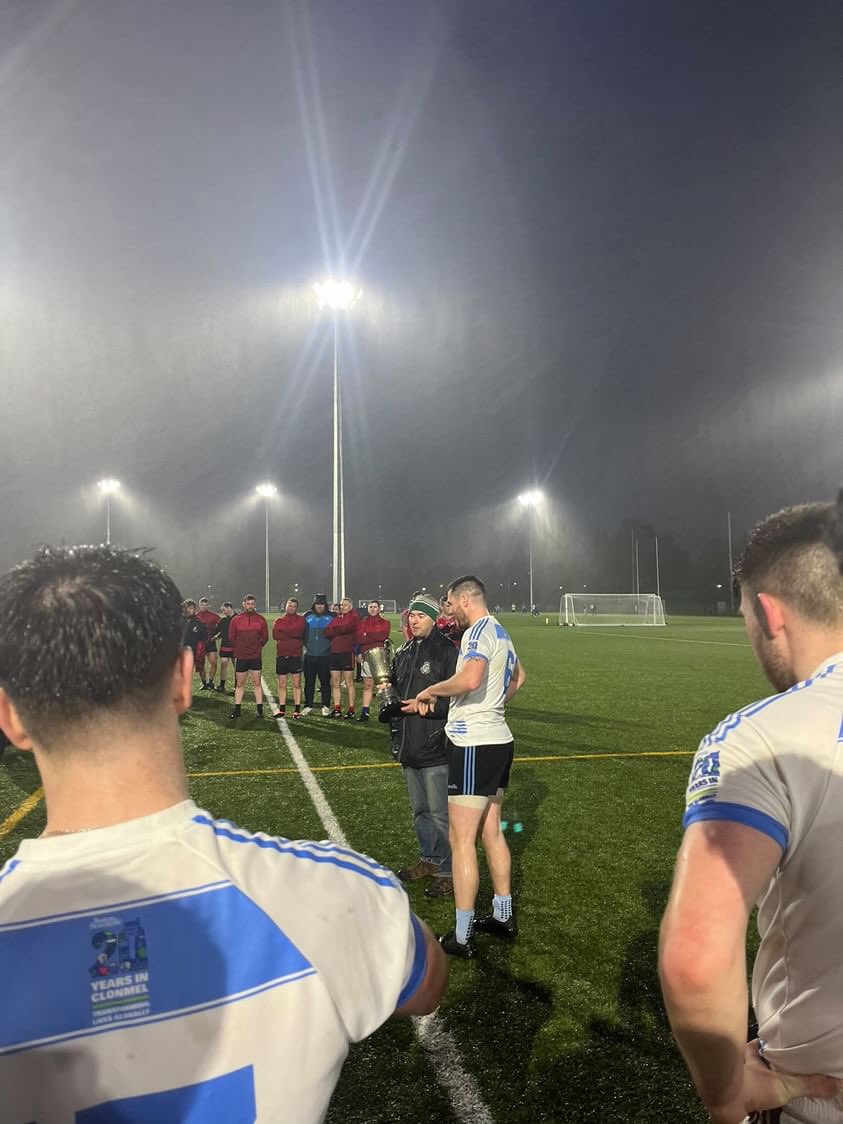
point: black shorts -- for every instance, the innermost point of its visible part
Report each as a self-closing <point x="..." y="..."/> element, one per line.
<point x="288" y="665"/>
<point x="341" y="661"/>
<point x="211" y="646"/>
<point x="478" y="770"/>
<point x="227" y="653"/>
<point x="248" y="665"/>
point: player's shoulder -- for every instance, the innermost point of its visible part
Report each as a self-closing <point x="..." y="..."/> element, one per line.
<point x="805" y="703"/>
<point x="265" y="864"/>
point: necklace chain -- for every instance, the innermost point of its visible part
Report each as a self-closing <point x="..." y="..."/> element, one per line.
<point x="70" y="831"/>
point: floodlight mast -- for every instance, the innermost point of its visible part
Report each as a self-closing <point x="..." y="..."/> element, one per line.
<point x="337" y="296"/>
<point x="531" y="500"/>
<point x="108" y="486"/>
<point x="266" y="492"/>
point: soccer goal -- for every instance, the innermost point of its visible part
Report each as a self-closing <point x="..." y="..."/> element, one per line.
<point x="388" y="604"/>
<point x="611" y="609"/>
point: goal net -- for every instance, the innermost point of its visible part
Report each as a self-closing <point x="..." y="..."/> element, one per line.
<point x="388" y="604"/>
<point x="611" y="609"/>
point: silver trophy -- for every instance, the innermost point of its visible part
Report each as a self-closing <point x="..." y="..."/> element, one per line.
<point x="380" y="665"/>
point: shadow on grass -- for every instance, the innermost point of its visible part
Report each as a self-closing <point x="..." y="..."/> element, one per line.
<point x="628" y="1070"/>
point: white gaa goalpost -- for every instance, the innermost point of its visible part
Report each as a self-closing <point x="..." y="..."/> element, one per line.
<point x="388" y="604"/>
<point x="611" y="609"/>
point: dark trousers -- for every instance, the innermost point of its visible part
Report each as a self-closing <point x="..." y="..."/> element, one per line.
<point x="317" y="666"/>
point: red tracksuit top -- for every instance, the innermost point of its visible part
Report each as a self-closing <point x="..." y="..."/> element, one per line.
<point x="372" y="632"/>
<point x="247" y="634"/>
<point x="342" y="631"/>
<point x="288" y="632"/>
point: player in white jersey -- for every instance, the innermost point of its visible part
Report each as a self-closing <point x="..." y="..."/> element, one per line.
<point x="488" y="674"/>
<point x="159" y="964"/>
<point x="764" y="826"/>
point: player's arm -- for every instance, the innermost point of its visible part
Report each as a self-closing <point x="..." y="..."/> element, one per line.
<point x="467" y="679"/>
<point x="721" y="870"/>
<point x="428" y="994"/>
<point x="519" y="677"/>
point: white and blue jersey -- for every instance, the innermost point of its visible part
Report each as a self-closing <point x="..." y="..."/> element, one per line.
<point x="777" y="766"/>
<point x="477" y="718"/>
<point x="178" y="968"/>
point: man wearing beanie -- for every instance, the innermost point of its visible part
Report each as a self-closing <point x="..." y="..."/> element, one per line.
<point x="422" y="748"/>
<point x="480" y="757"/>
<point x="317" y="651"/>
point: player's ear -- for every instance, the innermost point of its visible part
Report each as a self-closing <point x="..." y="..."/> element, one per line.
<point x="182" y="681"/>
<point x="770" y="615"/>
<point x="11" y="724"/>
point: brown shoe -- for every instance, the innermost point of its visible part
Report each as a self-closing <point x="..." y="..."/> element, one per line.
<point x="422" y="869"/>
<point x="440" y="887"/>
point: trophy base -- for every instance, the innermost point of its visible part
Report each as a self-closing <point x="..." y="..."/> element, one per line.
<point x="390" y="708"/>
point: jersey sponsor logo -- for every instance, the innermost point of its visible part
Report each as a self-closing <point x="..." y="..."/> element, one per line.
<point x="705" y="776"/>
<point x="119" y="975"/>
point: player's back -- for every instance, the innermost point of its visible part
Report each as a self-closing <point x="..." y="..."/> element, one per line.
<point x="178" y="968"/>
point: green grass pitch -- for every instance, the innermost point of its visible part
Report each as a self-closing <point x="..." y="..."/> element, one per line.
<point x="566" y="1024"/>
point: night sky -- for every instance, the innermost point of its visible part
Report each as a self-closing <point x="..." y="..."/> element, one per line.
<point x="599" y="245"/>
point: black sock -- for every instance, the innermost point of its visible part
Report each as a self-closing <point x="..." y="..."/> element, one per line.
<point x="259" y="708"/>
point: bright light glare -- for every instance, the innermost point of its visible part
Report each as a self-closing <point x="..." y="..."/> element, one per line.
<point x="339" y="296"/>
<point x="108" y="485"/>
<point x="530" y="499"/>
<point x="266" y="490"/>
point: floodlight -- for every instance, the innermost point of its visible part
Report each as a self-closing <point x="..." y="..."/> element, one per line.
<point x="339" y="296"/>
<point x="266" y="491"/>
<point x="530" y="499"/>
<point x="108" y="485"/>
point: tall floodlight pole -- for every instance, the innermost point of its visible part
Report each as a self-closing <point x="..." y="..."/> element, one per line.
<point x="731" y="564"/>
<point x="108" y="486"/>
<point x="337" y="296"/>
<point x="530" y="500"/>
<point x="266" y="492"/>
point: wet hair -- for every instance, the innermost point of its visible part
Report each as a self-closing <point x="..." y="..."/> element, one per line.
<point x="226" y="605"/>
<point x="250" y="597"/>
<point x="796" y="555"/>
<point x="188" y="603"/>
<point x="467" y="585"/>
<point x="84" y="632"/>
<point x="294" y="600"/>
<point x="204" y="601"/>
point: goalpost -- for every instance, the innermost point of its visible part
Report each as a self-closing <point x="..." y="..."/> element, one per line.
<point x="611" y="609"/>
<point x="388" y="604"/>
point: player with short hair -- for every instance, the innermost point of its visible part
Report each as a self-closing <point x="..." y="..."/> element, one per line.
<point x="226" y="650"/>
<point x="210" y="619"/>
<point x="764" y="827"/>
<point x="446" y="622"/>
<point x="488" y="675"/>
<point x="341" y="632"/>
<point x="194" y="631"/>
<point x="247" y="633"/>
<point x="288" y="633"/>
<point x="372" y="632"/>
<point x="159" y="964"/>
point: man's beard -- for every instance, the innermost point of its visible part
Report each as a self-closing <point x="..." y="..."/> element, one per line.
<point x="774" y="666"/>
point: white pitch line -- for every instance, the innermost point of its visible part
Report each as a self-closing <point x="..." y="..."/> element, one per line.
<point x="440" y="1047"/>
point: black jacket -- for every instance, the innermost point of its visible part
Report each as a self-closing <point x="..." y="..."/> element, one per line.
<point x="195" y="633"/>
<point x="419" y="663"/>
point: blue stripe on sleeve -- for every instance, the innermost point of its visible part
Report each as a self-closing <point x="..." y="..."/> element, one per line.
<point x="418" y="966"/>
<point x="737" y="813"/>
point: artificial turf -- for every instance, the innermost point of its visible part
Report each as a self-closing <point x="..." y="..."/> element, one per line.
<point x="566" y="1024"/>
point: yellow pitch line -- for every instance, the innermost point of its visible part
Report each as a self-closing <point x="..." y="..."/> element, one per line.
<point x="23" y="809"/>
<point x="394" y="764"/>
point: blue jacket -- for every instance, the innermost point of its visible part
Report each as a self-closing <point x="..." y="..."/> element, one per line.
<point x="315" y="641"/>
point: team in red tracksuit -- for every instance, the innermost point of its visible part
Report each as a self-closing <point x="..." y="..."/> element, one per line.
<point x="210" y="619"/>
<point x="372" y="632"/>
<point x="342" y="633"/>
<point x="247" y="634"/>
<point x="288" y="633"/>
